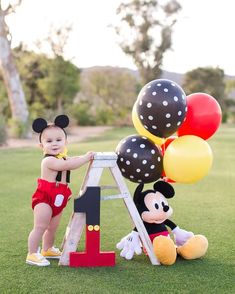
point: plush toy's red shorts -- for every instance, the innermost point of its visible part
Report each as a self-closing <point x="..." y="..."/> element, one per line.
<point x="164" y="233"/>
<point x="55" y="195"/>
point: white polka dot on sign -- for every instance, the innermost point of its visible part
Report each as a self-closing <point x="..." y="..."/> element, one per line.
<point x="168" y="125"/>
<point x="142" y="146"/>
<point x="141" y="117"/>
<point x="128" y="162"/>
<point x="159" y="159"/>
<point x="154" y="93"/>
<point x="135" y="155"/>
<point x="123" y="170"/>
<point x="179" y="113"/>
<point x="166" y="90"/>
<point x="149" y="105"/>
<point x="176" y="98"/>
<point x="146" y="175"/>
<point x="152" y="166"/>
<point x="144" y="161"/>
<point x="165" y="103"/>
<point x="172" y="84"/>
<point x="186" y="108"/>
<point x="168" y="115"/>
<point x="153" y="151"/>
<point x="150" y="117"/>
<point x="154" y="127"/>
<point x="128" y="150"/>
<point x="183" y="97"/>
<point x="140" y="103"/>
<point x="178" y="123"/>
<point x="121" y="159"/>
<point x="139" y="181"/>
<point x="132" y="177"/>
<point x="146" y="127"/>
<point x="159" y="85"/>
<point x="138" y="170"/>
<point x="133" y="140"/>
<point x="149" y="86"/>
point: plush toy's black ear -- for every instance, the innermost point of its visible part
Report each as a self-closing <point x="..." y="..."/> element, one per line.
<point x="137" y="193"/>
<point x="164" y="188"/>
<point x="61" y="121"/>
<point x="39" y="125"/>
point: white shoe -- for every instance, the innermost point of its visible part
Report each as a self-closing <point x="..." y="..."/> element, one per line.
<point x="37" y="259"/>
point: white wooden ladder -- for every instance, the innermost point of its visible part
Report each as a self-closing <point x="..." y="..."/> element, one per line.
<point x="77" y="220"/>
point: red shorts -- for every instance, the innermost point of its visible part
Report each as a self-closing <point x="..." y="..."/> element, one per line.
<point x="54" y="195"/>
<point x="164" y="233"/>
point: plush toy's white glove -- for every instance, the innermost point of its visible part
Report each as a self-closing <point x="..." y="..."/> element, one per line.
<point x="130" y="245"/>
<point x="181" y="236"/>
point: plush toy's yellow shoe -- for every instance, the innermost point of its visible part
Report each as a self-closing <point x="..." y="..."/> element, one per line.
<point x="164" y="249"/>
<point x="195" y="247"/>
<point x="51" y="253"/>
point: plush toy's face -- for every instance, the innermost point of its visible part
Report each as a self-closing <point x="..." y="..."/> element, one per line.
<point x="158" y="208"/>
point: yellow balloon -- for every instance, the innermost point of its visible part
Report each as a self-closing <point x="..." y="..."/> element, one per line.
<point x="187" y="159"/>
<point x="142" y="131"/>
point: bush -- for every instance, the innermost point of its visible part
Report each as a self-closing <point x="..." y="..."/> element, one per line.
<point x="3" y="131"/>
<point x="17" y="128"/>
<point x="105" y="116"/>
<point x="81" y="114"/>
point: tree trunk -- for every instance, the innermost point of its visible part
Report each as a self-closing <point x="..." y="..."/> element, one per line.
<point x="11" y="77"/>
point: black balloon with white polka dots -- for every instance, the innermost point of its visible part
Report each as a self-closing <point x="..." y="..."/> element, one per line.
<point x="161" y="107"/>
<point x="139" y="159"/>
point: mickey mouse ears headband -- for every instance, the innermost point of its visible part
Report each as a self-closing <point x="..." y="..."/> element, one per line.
<point x="40" y="124"/>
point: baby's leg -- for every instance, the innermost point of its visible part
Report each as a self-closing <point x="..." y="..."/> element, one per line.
<point x="49" y="235"/>
<point x="42" y="218"/>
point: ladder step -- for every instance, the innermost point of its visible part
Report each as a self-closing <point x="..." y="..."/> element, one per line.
<point x="118" y="196"/>
<point x="108" y="187"/>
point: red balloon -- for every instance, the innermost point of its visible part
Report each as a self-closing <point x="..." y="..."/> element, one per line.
<point x="203" y="116"/>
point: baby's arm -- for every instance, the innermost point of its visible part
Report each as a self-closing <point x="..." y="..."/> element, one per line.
<point x="68" y="164"/>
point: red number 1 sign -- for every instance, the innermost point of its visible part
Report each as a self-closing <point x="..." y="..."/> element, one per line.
<point x="89" y="203"/>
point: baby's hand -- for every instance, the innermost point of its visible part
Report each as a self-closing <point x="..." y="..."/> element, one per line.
<point x="90" y="155"/>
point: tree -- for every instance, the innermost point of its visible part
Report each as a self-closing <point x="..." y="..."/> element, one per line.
<point x="62" y="78"/>
<point x="145" y="31"/>
<point x="9" y="71"/>
<point x="60" y="82"/>
<point x="208" y="80"/>
<point x="112" y="87"/>
<point x="49" y="83"/>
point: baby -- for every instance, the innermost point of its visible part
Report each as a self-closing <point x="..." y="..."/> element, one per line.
<point x="52" y="193"/>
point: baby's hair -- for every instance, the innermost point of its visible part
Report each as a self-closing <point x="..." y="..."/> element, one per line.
<point x="40" y="124"/>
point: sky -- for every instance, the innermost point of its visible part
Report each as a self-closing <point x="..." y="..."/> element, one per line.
<point x="203" y="35"/>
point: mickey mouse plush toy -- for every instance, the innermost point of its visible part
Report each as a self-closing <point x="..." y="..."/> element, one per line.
<point x="155" y="212"/>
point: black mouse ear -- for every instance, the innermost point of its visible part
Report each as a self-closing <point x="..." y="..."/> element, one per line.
<point x="61" y="121"/>
<point x="137" y="194"/>
<point x="39" y="125"/>
<point x="164" y="188"/>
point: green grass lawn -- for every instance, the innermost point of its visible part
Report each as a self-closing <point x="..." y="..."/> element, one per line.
<point x="207" y="207"/>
